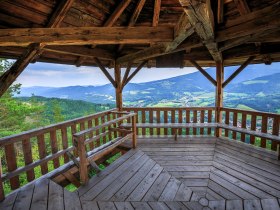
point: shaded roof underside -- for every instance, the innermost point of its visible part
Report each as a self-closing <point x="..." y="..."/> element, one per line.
<point x="259" y="42"/>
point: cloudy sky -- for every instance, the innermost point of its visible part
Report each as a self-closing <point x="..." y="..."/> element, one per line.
<point x="57" y="75"/>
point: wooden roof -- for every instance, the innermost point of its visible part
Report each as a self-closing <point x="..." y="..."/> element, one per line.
<point x="78" y="31"/>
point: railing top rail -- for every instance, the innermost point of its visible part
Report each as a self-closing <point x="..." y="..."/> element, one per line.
<point x="250" y="112"/>
<point x="169" y="108"/>
<point x="38" y="131"/>
<point x="84" y="132"/>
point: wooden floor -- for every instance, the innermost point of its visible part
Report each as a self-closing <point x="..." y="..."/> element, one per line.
<point x="194" y="173"/>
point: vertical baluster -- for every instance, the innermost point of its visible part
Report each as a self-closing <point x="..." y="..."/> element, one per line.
<point x="253" y="127"/>
<point x="42" y="152"/>
<point x="2" y="194"/>
<point x="275" y="131"/>
<point x="173" y="130"/>
<point x="73" y="131"/>
<point x="27" y="154"/>
<point x="226" y="122"/>
<point x="234" y="123"/>
<point x="243" y="125"/>
<point x="180" y="120"/>
<point x="264" y="130"/>
<point x="187" y="121"/>
<point x="103" y="139"/>
<point x="12" y="164"/>
<point x="143" y="112"/>
<point x="114" y="125"/>
<point x="202" y="115"/>
<point x="90" y="135"/>
<point x="165" y="112"/>
<point x="151" y="120"/>
<point x="134" y="139"/>
<point x="80" y="143"/>
<point x="209" y="121"/>
<point x="110" y="135"/>
<point x="64" y="143"/>
<point x="54" y="147"/>
<point x="96" y="123"/>
<point x="158" y="121"/>
<point x="194" y="120"/>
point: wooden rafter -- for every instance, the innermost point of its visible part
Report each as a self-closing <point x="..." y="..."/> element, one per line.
<point x="105" y="72"/>
<point x="34" y="50"/>
<point x="86" y="35"/>
<point x="157" y="6"/>
<point x="220" y="13"/>
<point x="117" y="13"/>
<point x="208" y="76"/>
<point x="127" y="71"/>
<point x="134" y="17"/>
<point x="80" y="61"/>
<point x="201" y="17"/>
<point x="239" y="70"/>
<point x="181" y="32"/>
<point x="135" y="72"/>
<point x="242" y="6"/>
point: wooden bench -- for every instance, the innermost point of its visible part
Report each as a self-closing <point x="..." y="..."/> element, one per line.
<point x="174" y="126"/>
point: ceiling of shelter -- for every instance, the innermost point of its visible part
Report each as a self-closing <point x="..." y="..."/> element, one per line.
<point x="88" y="32"/>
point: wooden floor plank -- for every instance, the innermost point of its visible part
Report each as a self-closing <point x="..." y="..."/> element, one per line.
<point x="270" y="204"/>
<point x="55" y="200"/>
<point x="234" y="205"/>
<point x="223" y="192"/>
<point x="193" y="205"/>
<point x="173" y="205"/>
<point x="123" y="206"/>
<point x="106" y="205"/>
<point x="100" y="186"/>
<point x="211" y="195"/>
<point x="182" y="158"/>
<point x="89" y="205"/>
<point x="252" y="205"/>
<point x="71" y="200"/>
<point x="122" y="160"/>
<point x="125" y="191"/>
<point x="221" y="205"/>
<point x="141" y="206"/>
<point x="158" y="186"/>
<point x="158" y="206"/>
<point x="184" y="193"/>
<point x="184" y="163"/>
<point x="9" y="201"/>
<point x="40" y="195"/>
<point x="24" y="197"/>
<point x="170" y="190"/>
<point x="190" y="174"/>
<point x="106" y="194"/>
<point x="145" y="184"/>
<point x="195" y="182"/>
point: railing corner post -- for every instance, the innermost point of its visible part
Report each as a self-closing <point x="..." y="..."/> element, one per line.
<point x="80" y="145"/>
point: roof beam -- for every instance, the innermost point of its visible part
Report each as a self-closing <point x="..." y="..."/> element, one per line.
<point x="34" y="50"/>
<point x="117" y="13"/>
<point x="156" y="13"/>
<point x="208" y="76"/>
<point x="240" y="69"/>
<point x="220" y="13"/>
<point x="201" y="17"/>
<point x="242" y="6"/>
<point x="105" y="72"/>
<point x="181" y="31"/>
<point x="85" y="35"/>
<point x="135" y="72"/>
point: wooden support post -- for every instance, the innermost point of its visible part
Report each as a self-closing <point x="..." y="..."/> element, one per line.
<point x="118" y="87"/>
<point x="2" y="194"/>
<point x="80" y="145"/>
<point x="134" y="138"/>
<point x="219" y="94"/>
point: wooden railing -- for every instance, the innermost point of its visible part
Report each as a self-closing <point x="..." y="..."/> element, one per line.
<point x="174" y="115"/>
<point x="252" y="124"/>
<point x="51" y="143"/>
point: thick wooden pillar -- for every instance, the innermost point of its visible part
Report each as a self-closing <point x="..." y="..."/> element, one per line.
<point x="118" y="81"/>
<point x="219" y="94"/>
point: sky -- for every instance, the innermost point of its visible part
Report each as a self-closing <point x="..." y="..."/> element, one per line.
<point x="57" y="75"/>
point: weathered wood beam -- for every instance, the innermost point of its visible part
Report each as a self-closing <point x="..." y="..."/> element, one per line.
<point x="127" y="71"/>
<point x="81" y="51"/>
<point x="119" y="99"/>
<point x="157" y="6"/>
<point x="220" y="13"/>
<point x="239" y="70"/>
<point x="201" y="18"/>
<point x="181" y="31"/>
<point x="117" y="13"/>
<point x="34" y="50"/>
<point x="135" y="72"/>
<point x="86" y="35"/>
<point x="242" y="6"/>
<point x="134" y="17"/>
<point x="105" y="72"/>
<point x="208" y="76"/>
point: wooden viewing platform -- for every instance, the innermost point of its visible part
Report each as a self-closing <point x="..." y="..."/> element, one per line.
<point x="191" y="173"/>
